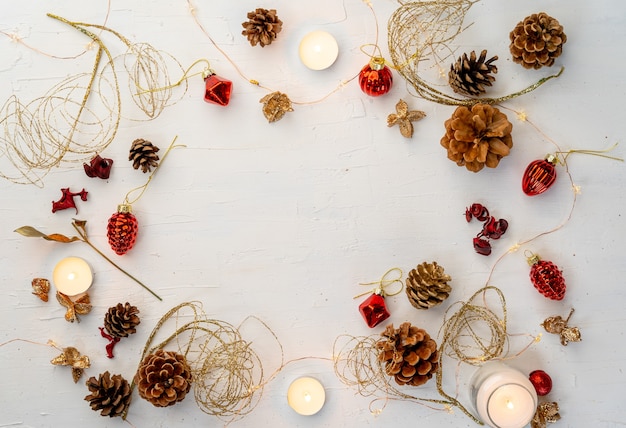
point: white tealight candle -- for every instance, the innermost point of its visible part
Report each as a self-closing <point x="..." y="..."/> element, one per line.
<point x="503" y="396"/>
<point x="318" y="50"/>
<point x="306" y="396"/>
<point x="72" y="276"/>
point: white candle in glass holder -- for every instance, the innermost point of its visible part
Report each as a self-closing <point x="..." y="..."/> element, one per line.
<point x="503" y="396"/>
<point x="72" y="276"/>
<point x="306" y="396"/>
<point x="318" y="50"/>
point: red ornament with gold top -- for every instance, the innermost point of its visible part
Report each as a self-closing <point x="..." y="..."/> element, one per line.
<point x="546" y="277"/>
<point x="122" y="229"/>
<point x="374" y="309"/>
<point x="375" y="78"/>
<point x="216" y="89"/>
<point x="539" y="175"/>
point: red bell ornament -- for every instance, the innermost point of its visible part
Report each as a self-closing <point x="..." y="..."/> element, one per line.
<point x="374" y="309"/>
<point x="375" y="78"/>
<point x="122" y="229"/>
<point x="546" y="277"/>
<point x="539" y="175"/>
<point x="217" y="89"/>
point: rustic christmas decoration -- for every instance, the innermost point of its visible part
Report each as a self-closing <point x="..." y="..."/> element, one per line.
<point x="122" y="229"/>
<point x="217" y="90"/>
<point x="478" y="137"/>
<point x="120" y="321"/>
<point x="427" y="285"/>
<point x="109" y="394"/>
<point x="375" y="78"/>
<point x="537" y="41"/>
<point x="541" y="381"/>
<point x="558" y="325"/>
<point x="539" y="175"/>
<point x="67" y="200"/>
<point x="492" y="228"/>
<point x="262" y="26"/>
<point x="469" y="76"/>
<point x="546" y="277"/>
<point x="476" y="211"/>
<point x="409" y="354"/>
<point x="80" y="306"/>
<point x="403" y="118"/>
<point x="546" y="413"/>
<point x="71" y="357"/>
<point x="41" y="288"/>
<point x="164" y="378"/>
<point x="98" y="167"/>
<point x="275" y="105"/>
<point x="143" y="154"/>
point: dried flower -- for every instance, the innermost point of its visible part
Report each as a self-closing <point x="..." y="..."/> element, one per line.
<point x="403" y="118"/>
<point x="67" y="200"/>
<point x="98" y="167"/>
<point x="71" y="357"/>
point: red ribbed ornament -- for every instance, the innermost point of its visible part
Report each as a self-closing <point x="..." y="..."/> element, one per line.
<point x="546" y="277"/>
<point x="375" y="78"/>
<point x="122" y="229"/>
<point x="374" y="309"/>
<point x="217" y="89"/>
<point x="541" y="381"/>
<point x="539" y="175"/>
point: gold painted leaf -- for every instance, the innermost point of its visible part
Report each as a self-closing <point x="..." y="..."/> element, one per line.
<point x="31" y="232"/>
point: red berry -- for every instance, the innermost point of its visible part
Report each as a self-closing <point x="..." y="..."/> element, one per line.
<point x="541" y="381"/>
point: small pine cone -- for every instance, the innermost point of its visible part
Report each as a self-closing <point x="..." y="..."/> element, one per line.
<point x="262" y="26"/>
<point x="121" y="320"/>
<point x="469" y="76"/>
<point x="409" y="354"/>
<point x="109" y="394"/>
<point x="427" y="285"/>
<point x="478" y="137"/>
<point x="537" y="41"/>
<point x="164" y="378"/>
<point x="143" y="154"/>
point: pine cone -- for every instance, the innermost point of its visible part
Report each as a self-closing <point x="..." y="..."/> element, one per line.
<point x="478" y="137"/>
<point x="110" y="394"/>
<point x="469" y="76"/>
<point x="427" y="285"/>
<point x="262" y="26"/>
<point x="143" y="154"/>
<point x="537" y="41"/>
<point x="409" y="354"/>
<point x="164" y="378"/>
<point x="121" y="320"/>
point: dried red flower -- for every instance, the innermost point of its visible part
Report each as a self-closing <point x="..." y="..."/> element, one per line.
<point x="98" y="167"/>
<point x="67" y="200"/>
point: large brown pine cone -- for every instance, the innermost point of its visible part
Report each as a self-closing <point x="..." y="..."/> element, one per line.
<point x="469" y="76"/>
<point x="109" y="394"/>
<point x="164" y="378"/>
<point x="478" y="137"/>
<point x="409" y="354"/>
<point x="143" y="154"/>
<point x="121" y="320"/>
<point x="427" y="285"/>
<point x="537" y="41"/>
<point x="262" y="26"/>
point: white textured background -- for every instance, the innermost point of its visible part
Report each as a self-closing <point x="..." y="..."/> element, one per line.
<point x="283" y="220"/>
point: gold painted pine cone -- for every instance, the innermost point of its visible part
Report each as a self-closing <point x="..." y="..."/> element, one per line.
<point x="537" y="41"/>
<point x="109" y="394"/>
<point x="262" y="26"/>
<point x="427" y="285"/>
<point x="121" y="320"/>
<point x="409" y="354"/>
<point x="164" y="378"/>
<point x="478" y="137"/>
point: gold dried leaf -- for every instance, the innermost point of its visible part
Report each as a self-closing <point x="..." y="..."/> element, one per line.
<point x="41" y="287"/>
<point x="275" y="105"/>
<point x="82" y="306"/>
<point x="403" y="118"/>
<point x="71" y="357"/>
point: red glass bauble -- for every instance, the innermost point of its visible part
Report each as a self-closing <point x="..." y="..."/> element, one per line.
<point x="539" y="175"/>
<point x="547" y="278"/>
<point x="541" y="381"/>
<point x="122" y="230"/>
<point x="374" y="310"/>
<point x="375" y="78"/>
<point x="217" y="90"/>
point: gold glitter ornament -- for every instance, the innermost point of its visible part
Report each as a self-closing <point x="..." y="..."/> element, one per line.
<point x="275" y="105"/>
<point x="41" y="287"/>
<point x="403" y="118"/>
<point x="546" y="412"/>
<point x="71" y="357"/>
<point x="558" y="325"/>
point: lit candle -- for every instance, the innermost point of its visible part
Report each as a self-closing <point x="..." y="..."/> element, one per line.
<point x="72" y="276"/>
<point x="318" y="50"/>
<point x="503" y="396"/>
<point x="306" y="396"/>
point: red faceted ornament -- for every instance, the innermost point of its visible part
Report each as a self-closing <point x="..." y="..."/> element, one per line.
<point x="375" y="78"/>
<point x="374" y="309"/>
<point x="122" y="229"/>
<point x="217" y="89"/>
<point x="539" y="175"/>
<point x="541" y="381"/>
<point x="546" y="277"/>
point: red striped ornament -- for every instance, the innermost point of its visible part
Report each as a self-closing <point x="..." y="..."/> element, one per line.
<point x="546" y="277"/>
<point x="539" y="175"/>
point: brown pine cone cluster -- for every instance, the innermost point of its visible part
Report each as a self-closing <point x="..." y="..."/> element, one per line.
<point x="427" y="285"/>
<point x="164" y="378"/>
<point x="121" y="320"/>
<point x="143" y="154"/>
<point x="109" y="394"/>
<point x="262" y="27"/>
<point x="537" y="41"/>
<point x="478" y="137"/>
<point x="469" y="76"/>
<point x="409" y="354"/>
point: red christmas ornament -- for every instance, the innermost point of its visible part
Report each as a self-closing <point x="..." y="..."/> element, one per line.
<point x="539" y="175"/>
<point x="546" y="277"/>
<point x="217" y="89"/>
<point x="374" y="309"/>
<point x="375" y="78"/>
<point x="541" y="381"/>
<point x="122" y="229"/>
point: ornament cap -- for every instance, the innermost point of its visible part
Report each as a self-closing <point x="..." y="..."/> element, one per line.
<point x="532" y="258"/>
<point x="377" y="63"/>
<point x="124" y="208"/>
<point x="552" y="158"/>
<point x="208" y="72"/>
